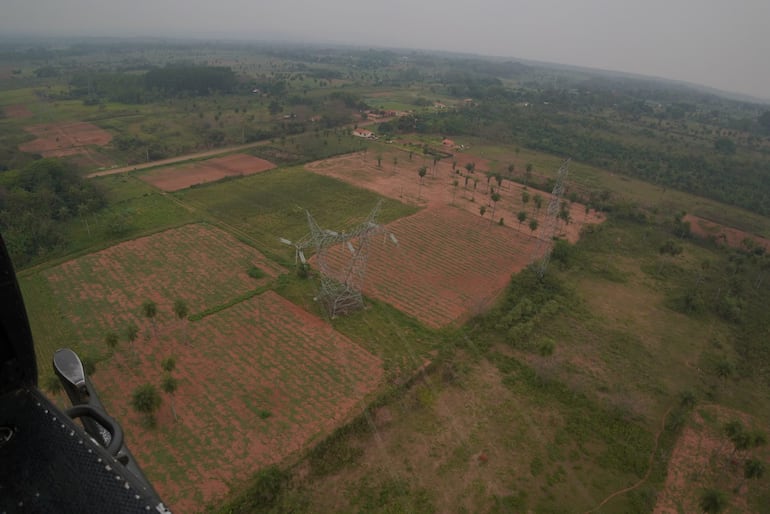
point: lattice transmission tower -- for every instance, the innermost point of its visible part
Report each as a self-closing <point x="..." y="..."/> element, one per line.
<point x="341" y="282"/>
<point x="551" y="225"/>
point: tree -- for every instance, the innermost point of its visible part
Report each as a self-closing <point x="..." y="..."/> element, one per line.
<point x="525" y="197"/>
<point x="421" y="172"/>
<point x="454" y="190"/>
<point x="169" y="386"/>
<point x="454" y="164"/>
<point x="471" y="167"/>
<point x="168" y="364"/>
<point x="146" y="401"/>
<point x="752" y="468"/>
<point x="52" y="384"/>
<point x="522" y="217"/>
<point x="495" y="198"/>
<point x="379" y="160"/>
<point x="511" y="167"/>
<point x="712" y="501"/>
<point x="538" y="201"/>
<point x="131" y="332"/>
<point x="533" y="225"/>
<point x="528" y="174"/>
<point x="395" y="163"/>
<point x="150" y="310"/>
<point x="181" y="311"/>
<point x="483" y="210"/>
<point x="111" y="339"/>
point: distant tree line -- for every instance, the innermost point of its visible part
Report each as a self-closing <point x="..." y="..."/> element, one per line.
<point x="718" y="172"/>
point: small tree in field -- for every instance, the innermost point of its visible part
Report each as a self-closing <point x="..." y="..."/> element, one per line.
<point x="146" y="401"/>
<point x="495" y="198"/>
<point x="150" y="310"/>
<point x="712" y="501"/>
<point x="169" y="386"/>
<point x="111" y="339"/>
<point x="532" y="225"/>
<point x="379" y="160"/>
<point x="181" y="310"/>
<point x="483" y="210"/>
<point x="522" y="217"/>
<point x="421" y="172"/>
<point x="132" y="331"/>
<point x="538" y="200"/>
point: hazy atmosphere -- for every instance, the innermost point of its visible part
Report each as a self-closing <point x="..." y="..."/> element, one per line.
<point x="717" y="44"/>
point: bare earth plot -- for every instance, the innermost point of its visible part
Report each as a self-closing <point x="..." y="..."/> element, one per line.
<point x="18" y="111"/>
<point x="203" y="265"/>
<point x="451" y="261"/>
<point x="181" y="177"/>
<point x="447" y="266"/>
<point x="257" y="382"/>
<point x="61" y="139"/>
<point x="401" y="182"/>
<point x="722" y="235"/>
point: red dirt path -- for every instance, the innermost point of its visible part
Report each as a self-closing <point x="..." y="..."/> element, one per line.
<point x="732" y="237"/>
<point x="18" y="111"/>
<point x="181" y="177"/>
<point x="61" y="139"/>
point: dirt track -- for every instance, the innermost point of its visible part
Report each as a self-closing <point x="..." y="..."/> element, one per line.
<point x="174" y="160"/>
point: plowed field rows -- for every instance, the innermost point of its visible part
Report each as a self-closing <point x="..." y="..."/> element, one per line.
<point x="257" y="381"/>
<point x="200" y="264"/>
<point x="448" y="264"/>
<point x="181" y="177"/>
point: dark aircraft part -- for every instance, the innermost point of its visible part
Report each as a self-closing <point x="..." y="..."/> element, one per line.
<point x="48" y="461"/>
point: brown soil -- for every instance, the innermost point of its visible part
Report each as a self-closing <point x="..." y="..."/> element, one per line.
<point x="447" y="265"/>
<point x="61" y="139"/>
<point x="181" y="177"/>
<point x="257" y="383"/>
<point x="732" y="237"/>
<point x="401" y="182"/>
<point x="18" y="111"/>
<point x="450" y="262"/>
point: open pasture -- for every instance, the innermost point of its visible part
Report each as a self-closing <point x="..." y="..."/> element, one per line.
<point x="257" y="382"/>
<point x="448" y="264"/>
<point x="184" y="176"/>
<point x="204" y="266"/>
<point x="62" y="139"/>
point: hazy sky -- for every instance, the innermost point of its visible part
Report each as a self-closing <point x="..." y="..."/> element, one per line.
<point x="723" y="44"/>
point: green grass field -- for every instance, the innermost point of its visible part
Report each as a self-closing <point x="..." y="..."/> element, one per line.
<point x="271" y="205"/>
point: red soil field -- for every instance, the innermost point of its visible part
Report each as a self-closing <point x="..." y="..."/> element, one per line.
<point x="257" y="383"/>
<point x="451" y="262"/>
<point x="198" y="263"/>
<point x="402" y="183"/>
<point x="447" y="266"/>
<point x="732" y="237"/>
<point x="60" y="139"/>
<point x="181" y="177"/>
<point x="18" y="111"/>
